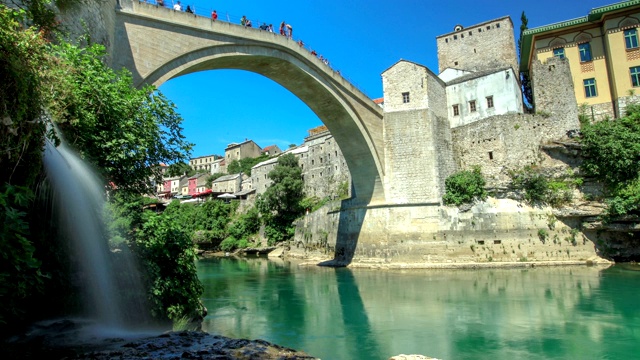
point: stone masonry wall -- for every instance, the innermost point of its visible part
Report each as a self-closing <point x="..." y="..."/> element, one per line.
<point x="491" y="232"/>
<point x="489" y="45"/>
<point x="95" y="18"/>
<point x="505" y="142"/>
<point x="553" y="92"/>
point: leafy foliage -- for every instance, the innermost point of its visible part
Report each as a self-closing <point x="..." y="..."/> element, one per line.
<point x="244" y="165"/>
<point x="20" y="274"/>
<point x="23" y="53"/>
<point x="179" y="169"/>
<point x="525" y="80"/>
<point x="464" y="187"/>
<point x="539" y="189"/>
<point x="280" y="205"/>
<point x="123" y="131"/>
<point x="611" y="151"/>
<point x="168" y="256"/>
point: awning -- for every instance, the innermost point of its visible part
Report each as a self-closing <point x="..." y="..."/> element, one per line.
<point x="226" y="196"/>
<point x="203" y="193"/>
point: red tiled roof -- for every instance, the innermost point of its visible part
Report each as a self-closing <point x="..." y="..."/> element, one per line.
<point x="378" y="100"/>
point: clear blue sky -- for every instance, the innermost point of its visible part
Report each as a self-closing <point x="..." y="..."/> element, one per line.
<point x="361" y="38"/>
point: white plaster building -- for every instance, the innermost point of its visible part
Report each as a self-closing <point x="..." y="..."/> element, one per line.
<point x="472" y="96"/>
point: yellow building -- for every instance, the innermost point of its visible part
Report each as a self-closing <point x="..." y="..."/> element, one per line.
<point x="603" y="53"/>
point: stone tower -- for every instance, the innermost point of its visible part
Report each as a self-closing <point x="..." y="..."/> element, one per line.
<point x="417" y="135"/>
<point x="485" y="46"/>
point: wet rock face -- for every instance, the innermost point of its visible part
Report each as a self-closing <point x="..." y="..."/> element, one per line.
<point x="70" y="340"/>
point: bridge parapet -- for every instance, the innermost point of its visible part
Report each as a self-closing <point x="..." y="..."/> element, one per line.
<point x="182" y="18"/>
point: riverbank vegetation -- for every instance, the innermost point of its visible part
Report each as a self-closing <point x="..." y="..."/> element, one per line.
<point x="611" y="151"/>
<point x="122" y="131"/>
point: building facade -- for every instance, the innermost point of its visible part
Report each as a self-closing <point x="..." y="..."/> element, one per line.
<point x="602" y="49"/>
<point x="227" y="184"/>
<point x="203" y="163"/>
<point x="246" y="149"/>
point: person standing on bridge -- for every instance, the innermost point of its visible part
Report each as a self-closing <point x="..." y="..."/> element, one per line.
<point x="282" y="29"/>
<point x="289" y="31"/>
<point x="160" y="3"/>
<point x="243" y="20"/>
<point x="214" y="15"/>
<point x="177" y="6"/>
<point x="189" y="9"/>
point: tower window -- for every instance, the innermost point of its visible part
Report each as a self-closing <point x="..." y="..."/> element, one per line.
<point x="497" y="25"/>
<point x="456" y="110"/>
<point x="405" y="97"/>
<point x="472" y="106"/>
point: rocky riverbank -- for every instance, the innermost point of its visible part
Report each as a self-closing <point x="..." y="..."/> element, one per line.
<point x="74" y="339"/>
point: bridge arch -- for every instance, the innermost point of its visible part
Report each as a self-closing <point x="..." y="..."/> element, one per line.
<point x="157" y="44"/>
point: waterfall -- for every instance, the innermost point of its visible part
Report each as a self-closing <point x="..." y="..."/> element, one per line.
<point x="79" y="200"/>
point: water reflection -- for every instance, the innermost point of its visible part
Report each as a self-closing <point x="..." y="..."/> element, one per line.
<point x="539" y="313"/>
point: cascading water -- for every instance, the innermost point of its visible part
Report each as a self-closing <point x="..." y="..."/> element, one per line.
<point x="78" y="196"/>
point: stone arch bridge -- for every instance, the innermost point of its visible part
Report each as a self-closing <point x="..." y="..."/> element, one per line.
<point x="157" y="44"/>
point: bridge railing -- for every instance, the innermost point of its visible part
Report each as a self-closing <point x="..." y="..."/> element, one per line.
<point x="201" y="11"/>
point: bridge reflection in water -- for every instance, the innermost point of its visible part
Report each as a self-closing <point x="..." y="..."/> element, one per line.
<point x="540" y="313"/>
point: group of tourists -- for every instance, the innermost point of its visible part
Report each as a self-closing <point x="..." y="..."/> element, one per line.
<point x="285" y="29"/>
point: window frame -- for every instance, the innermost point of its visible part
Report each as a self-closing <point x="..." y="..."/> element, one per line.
<point x="472" y="106"/>
<point x="631" y="38"/>
<point x="590" y="88"/>
<point x="456" y="110"/>
<point x="490" y="102"/>
<point x="559" y="53"/>
<point x="585" y="52"/>
<point x="635" y="75"/>
<point x="405" y="98"/>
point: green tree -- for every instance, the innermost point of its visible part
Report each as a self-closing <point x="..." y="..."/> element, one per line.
<point x="23" y="55"/>
<point x="525" y="80"/>
<point x="464" y="187"/>
<point x="280" y="205"/>
<point x="611" y="152"/>
<point x="123" y="131"/>
<point x="244" y="165"/>
<point x="179" y="169"/>
<point x="167" y="256"/>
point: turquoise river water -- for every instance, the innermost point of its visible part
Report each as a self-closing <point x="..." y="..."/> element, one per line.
<point x="534" y="313"/>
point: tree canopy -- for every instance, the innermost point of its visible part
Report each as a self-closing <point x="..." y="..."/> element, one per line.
<point x="123" y="131"/>
<point x="611" y="151"/>
<point x="280" y="203"/>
